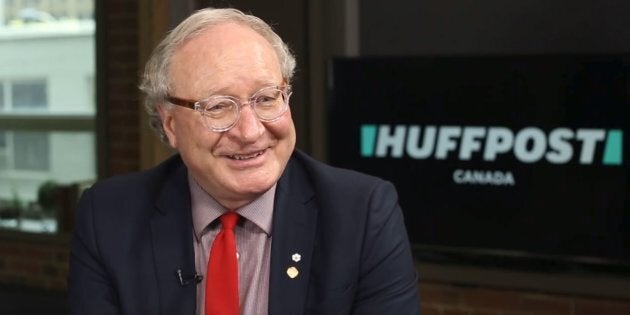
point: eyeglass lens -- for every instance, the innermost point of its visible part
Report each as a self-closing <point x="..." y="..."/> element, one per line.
<point x="221" y="112"/>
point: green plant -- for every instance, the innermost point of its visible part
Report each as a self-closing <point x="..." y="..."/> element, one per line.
<point x="16" y="202"/>
<point x="46" y="195"/>
<point x="12" y="208"/>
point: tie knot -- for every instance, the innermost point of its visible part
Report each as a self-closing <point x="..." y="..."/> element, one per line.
<point x="228" y="220"/>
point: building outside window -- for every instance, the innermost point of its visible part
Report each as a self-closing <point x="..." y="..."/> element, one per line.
<point x="47" y="110"/>
<point x="1" y="95"/>
<point x="29" y="94"/>
<point x="3" y="151"/>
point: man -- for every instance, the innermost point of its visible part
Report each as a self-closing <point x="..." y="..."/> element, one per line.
<point x="310" y="239"/>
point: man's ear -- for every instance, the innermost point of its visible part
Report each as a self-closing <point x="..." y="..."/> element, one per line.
<point x="168" y="124"/>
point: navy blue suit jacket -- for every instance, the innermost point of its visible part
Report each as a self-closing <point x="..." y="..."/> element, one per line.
<point x="134" y="231"/>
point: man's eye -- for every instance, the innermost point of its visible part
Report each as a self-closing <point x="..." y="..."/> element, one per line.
<point x="220" y="107"/>
<point x="266" y="99"/>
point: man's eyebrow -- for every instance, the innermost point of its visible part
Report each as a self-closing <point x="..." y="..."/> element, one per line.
<point x="224" y="91"/>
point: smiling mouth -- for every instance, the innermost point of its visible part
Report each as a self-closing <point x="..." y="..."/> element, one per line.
<point x="241" y="157"/>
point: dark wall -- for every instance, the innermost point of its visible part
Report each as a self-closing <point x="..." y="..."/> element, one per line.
<point x="403" y="27"/>
<point x="289" y="20"/>
<point x="480" y="27"/>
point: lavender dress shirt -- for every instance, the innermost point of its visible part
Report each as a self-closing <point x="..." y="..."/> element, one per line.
<point x="253" y="245"/>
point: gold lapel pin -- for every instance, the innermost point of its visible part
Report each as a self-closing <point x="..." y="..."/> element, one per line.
<point x="292" y="272"/>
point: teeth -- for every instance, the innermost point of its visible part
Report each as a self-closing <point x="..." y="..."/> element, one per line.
<point x="245" y="157"/>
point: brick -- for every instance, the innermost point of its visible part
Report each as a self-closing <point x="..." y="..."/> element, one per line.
<point x="123" y="20"/>
<point x="25" y="267"/>
<point x="130" y="35"/>
<point x="50" y="270"/>
<point x="57" y="285"/>
<point x="121" y="5"/>
<point x="35" y="253"/>
<point x="122" y="85"/>
<point x="62" y="256"/>
<point x="9" y="250"/>
<point x="131" y="123"/>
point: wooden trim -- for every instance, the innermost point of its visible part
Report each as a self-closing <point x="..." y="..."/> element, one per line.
<point x="47" y="123"/>
<point x="581" y="284"/>
<point x="102" y="141"/>
<point x="154" y="21"/>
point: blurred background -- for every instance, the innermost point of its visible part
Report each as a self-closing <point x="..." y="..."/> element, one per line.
<point x="553" y="242"/>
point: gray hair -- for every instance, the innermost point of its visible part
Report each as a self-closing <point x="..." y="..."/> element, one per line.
<point x="156" y="80"/>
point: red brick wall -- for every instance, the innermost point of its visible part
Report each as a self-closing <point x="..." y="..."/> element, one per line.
<point x="120" y="45"/>
<point x="34" y="261"/>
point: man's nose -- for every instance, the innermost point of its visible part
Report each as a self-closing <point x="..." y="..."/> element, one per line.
<point x="248" y="128"/>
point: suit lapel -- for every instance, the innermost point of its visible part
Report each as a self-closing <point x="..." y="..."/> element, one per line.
<point x="294" y="226"/>
<point x="171" y="228"/>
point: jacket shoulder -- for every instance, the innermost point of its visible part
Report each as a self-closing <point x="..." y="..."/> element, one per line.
<point x="322" y="174"/>
<point x="127" y="194"/>
<point x="339" y="188"/>
<point x="142" y="181"/>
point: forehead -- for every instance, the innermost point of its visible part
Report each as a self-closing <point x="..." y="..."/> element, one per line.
<point x="222" y="57"/>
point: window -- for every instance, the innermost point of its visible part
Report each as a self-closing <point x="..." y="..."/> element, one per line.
<point x="3" y="151"/>
<point x="1" y="96"/>
<point x="31" y="151"/>
<point x="47" y="110"/>
<point x="29" y="95"/>
<point x="23" y="95"/>
<point x="27" y="151"/>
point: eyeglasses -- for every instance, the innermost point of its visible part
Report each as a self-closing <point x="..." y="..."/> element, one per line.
<point x="221" y="112"/>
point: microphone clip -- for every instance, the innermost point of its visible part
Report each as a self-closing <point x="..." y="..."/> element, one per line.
<point x="185" y="279"/>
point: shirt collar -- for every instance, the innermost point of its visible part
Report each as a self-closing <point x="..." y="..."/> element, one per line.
<point x="205" y="209"/>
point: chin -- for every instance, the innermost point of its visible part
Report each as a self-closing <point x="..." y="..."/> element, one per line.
<point x="254" y="184"/>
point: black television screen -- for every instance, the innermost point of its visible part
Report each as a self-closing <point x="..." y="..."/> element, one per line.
<point x="520" y="161"/>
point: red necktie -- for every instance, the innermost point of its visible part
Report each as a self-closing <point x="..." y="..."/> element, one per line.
<point x="222" y="275"/>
